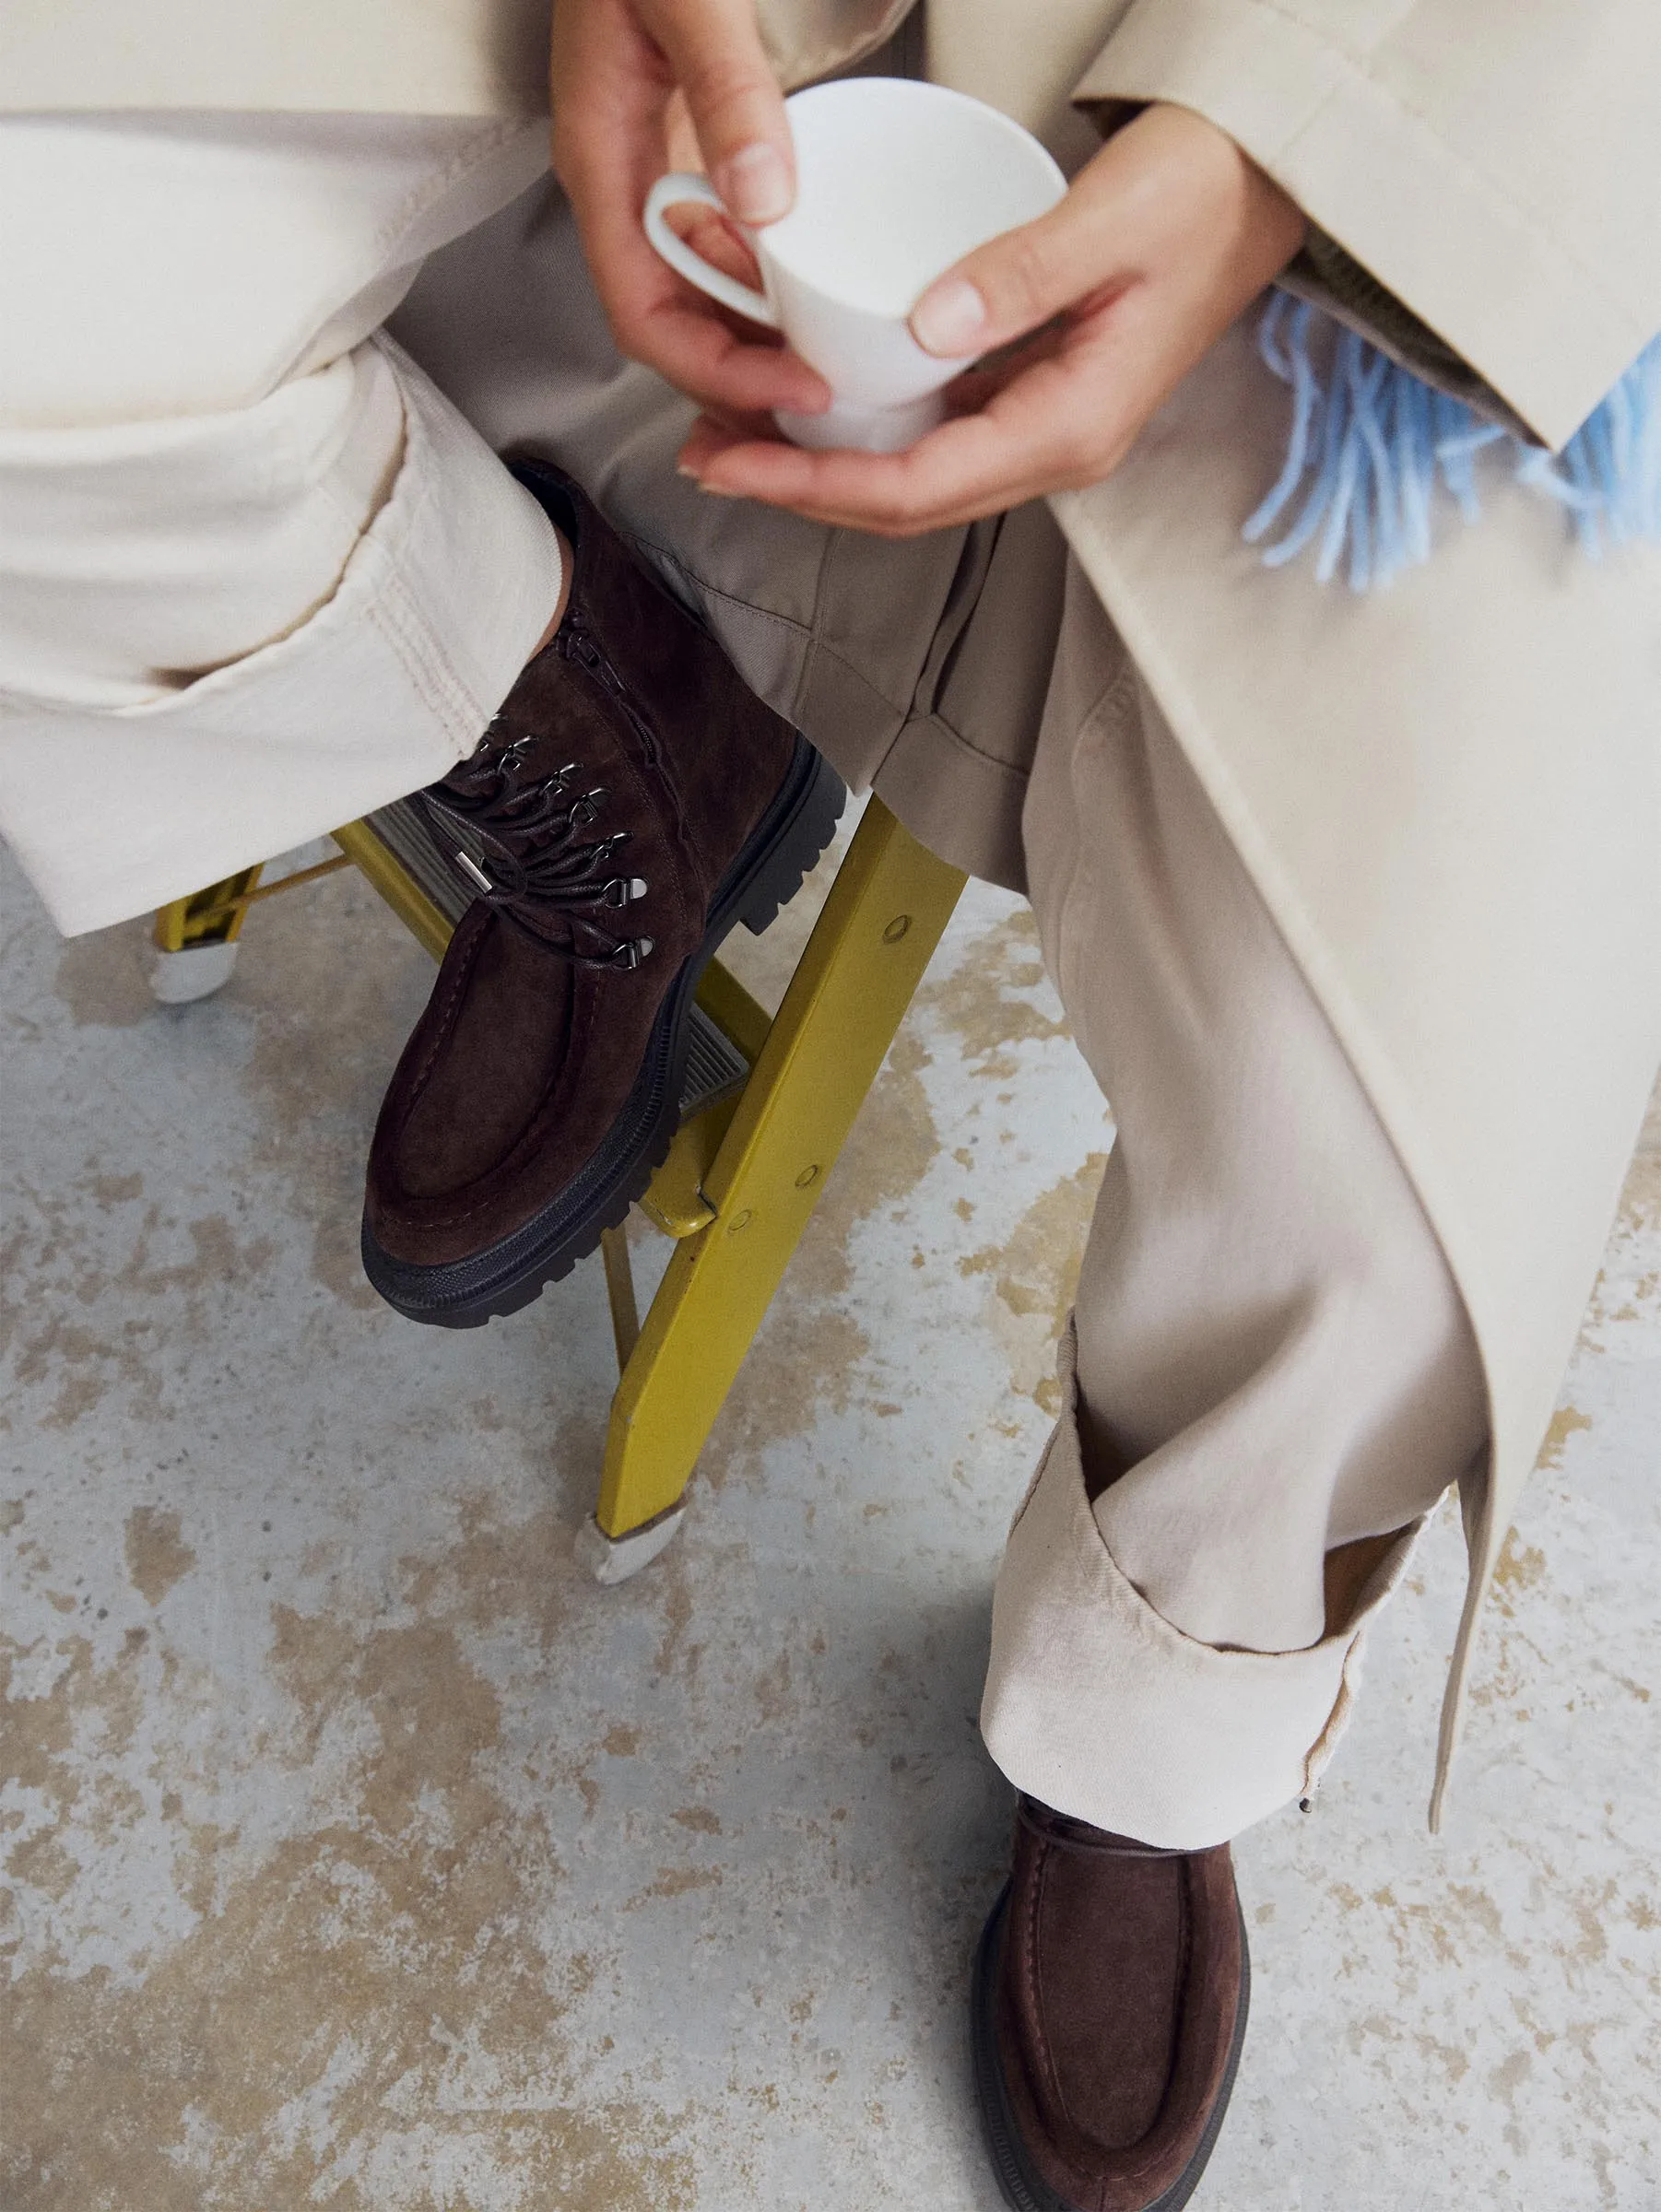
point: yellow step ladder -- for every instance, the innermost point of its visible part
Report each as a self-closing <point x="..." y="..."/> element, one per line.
<point x="768" y="1106"/>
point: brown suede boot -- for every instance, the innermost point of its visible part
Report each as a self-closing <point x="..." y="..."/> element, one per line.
<point x="1108" y="2013"/>
<point x="628" y="804"/>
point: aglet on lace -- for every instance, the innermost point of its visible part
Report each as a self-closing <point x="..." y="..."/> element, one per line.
<point x="532" y="865"/>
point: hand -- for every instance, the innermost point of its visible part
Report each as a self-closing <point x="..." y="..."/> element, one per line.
<point x="1164" y="237"/>
<point x="628" y="77"/>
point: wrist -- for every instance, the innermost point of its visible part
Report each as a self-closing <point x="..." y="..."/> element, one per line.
<point x="1267" y="221"/>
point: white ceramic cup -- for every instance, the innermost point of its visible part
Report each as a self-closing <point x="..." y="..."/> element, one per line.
<point x="895" y="182"/>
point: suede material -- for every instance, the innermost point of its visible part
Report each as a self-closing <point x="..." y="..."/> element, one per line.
<point x="514" y="1008"/>
<point x="1118" y="1984"/>
<point x="1112" y="1980"/>
<point x="505" y="1011"/>
<point x="522" y="1058"/>
<point x="712" y="732"/>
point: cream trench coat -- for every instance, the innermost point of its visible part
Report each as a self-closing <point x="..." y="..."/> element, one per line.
<point x="1448" y="793"/>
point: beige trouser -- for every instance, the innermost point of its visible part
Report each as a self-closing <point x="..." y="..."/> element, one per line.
<point x="263" y="571"/>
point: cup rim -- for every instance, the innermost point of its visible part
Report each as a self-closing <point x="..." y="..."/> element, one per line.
<point x="842" y="88"/>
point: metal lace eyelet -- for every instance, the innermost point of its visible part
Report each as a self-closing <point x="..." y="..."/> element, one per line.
<point x="630" y="953"/>
<point x="622" y="889"/>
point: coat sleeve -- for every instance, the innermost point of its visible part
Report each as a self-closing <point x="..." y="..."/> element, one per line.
<point x="1489" y="174"/>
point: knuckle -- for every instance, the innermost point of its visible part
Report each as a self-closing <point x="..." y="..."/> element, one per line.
<point x="1027" y="277"/>
<point x="721" y="87"/>
<point x="897" y="515"/>
<point x="632" y="343"/>
<point x="1081" y="459"/>
<point x="1082" y="449"/>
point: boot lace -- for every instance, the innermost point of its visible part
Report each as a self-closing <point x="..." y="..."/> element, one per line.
<point x="522" y="841"/>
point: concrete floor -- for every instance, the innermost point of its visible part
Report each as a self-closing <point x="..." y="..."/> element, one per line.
<point x="367" y="1856"/>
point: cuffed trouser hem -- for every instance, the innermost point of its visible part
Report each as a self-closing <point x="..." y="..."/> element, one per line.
<point x="1096" y="1705"/>
<point x="382" y="689"/>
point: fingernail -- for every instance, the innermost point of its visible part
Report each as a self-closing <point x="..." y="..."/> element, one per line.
<point x="682" y="470"/>
<point x="950" y="318"/>
<point x="754" y="184"/>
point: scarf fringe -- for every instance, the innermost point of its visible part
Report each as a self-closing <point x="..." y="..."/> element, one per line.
<point x="1373" y="450"/>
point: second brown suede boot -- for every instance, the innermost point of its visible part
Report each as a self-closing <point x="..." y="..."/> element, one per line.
<point x="630" y="802"/>
<point x="1108" y="2014"/>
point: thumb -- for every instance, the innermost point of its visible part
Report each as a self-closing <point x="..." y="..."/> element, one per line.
<point x="714" y="50"/>
<point x="1016" y="282"/>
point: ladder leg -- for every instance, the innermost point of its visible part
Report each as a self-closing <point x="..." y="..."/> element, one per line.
<point x="195" y="940"/>
<point x="619" y="1291"/>
<point x="890" y="901"/>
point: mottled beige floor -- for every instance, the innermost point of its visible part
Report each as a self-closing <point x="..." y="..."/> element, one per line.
<point x="366" y="1856"/>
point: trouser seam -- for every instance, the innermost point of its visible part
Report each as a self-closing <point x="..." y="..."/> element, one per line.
<point x="1121" y="685"/>
<point x="420" y="655"/>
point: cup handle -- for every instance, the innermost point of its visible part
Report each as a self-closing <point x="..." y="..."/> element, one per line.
<point x="672" y="192"/>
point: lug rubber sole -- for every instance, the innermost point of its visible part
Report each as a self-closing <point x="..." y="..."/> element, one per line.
<point x="506" y="1276"/>
<point x="1025" y="2190"/>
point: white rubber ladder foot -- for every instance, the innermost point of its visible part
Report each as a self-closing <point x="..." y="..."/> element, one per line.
<point x="614" y="1559"/>
<point x="195" y="972"/>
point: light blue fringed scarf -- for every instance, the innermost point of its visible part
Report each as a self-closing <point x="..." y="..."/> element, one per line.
<point x="1370" y="441"/>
